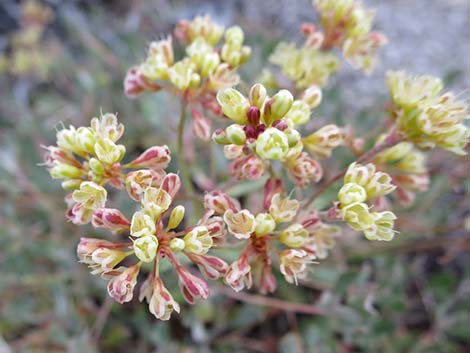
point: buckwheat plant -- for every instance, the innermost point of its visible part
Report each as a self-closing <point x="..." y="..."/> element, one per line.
<point x="264" y="139"/>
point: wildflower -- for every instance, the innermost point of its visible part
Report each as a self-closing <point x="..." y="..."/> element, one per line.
<point x="383" y="226"/>
<point x="156" y="201"/>
<point x="212" y="267"/>
<point x="238" y="275"/>
<point x="161" y="303"/>
<point x="357" y="215"/>
<point x="145" y="247"/>
<point x="219" y="202"/>
<point x="283" y="209"/>
<point x="142" y="225"/>
<point x="323" y="141"/>
<point x="265" y="224"/>
<point x="90" y="195"/>
<point x="293" y="264"/>
<point x="272" y="144"/>
<point x="241" y="224"/>
<point x="176" y="216"/>
<point x="303" y="169"/>
<point x="121" y="286"/>
<point x="294" y="236"/>
<point x="198" y="241"/>
<point x="352" y="193"/>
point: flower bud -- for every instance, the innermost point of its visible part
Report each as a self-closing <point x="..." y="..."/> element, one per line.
<point x="90" y="195"/>
<point x="145" y="248"/>
<point x="276" y="107"/>
<point x="312" y="96"/>
<point x="293" y="137"/>
<point x="265" y="224"/>
<point x="257" y="95"/>
<point x="142" y="225"/>
<point x="110" y="218"/>
<point x="108" y="152"/>
<point x="177" y="244"/>
<point x="272" y="144"/>
<point x="239" y="275"/>
<point x="103" y="260"/>
<point x="294" y="236"/>
<point x="176" y="216"/>
<point x="219" y="202"/>
<point x="323" y="141"/>
<point x="234" y="105"/>
<point x="299" y="113"/>
<point x="236" y="134"/>
<point x="171" y="183"/>
<point x="121" y="287"/>
<point x="272" y="187"/>
<point x="192" y="287"/>
<point x="283" y="210"/>
<point x="234" y="36"/>
<point x="181" y="74"/>
<point x="250" y="167"/>
<point x="201" y="126"/>
<point x="212" y="267"/>
<point x="156" y="158"/>
<point x="86" y="139"/>
<point x="219" y="136"/>
<point x="303" y="169"/>
<point x="254" y="115"/>
<point x="161" y="303"/>
<point x="71" y="184"/>
<point x="198" y="241"/>
<point x="96" y="166"/>
<point x="241" y="224"/>
<point x="351" y="193"/>
<point x="65" y="171"/>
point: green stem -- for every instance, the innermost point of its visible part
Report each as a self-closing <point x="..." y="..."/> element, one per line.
<point x="185" y="175"/>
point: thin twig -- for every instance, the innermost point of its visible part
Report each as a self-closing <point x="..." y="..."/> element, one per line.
<point x="272" y="302"/>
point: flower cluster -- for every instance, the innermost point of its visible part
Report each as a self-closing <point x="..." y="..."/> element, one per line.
<point x="427" y="117"/>
<point x="363" y="183"/>
<point x="88" y="158"/>
<point x="264" y="130"/>
<point x="28" y="54"/>
<point x="279" y="232"/>
<point x="199" y="74"/>
<point x="345" y="24"/>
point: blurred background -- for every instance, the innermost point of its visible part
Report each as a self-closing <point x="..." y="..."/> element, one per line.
<point x="410" y="295"/>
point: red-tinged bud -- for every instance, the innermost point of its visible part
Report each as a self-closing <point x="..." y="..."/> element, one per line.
<point x="315" y="40"/>
<point x="181" y="31"/>
<point x="192" y="287"/>
<point x="78" y="214"/>
<point x="267" y="282"/>
<point x="87" y="246"/>
<point x="413" y="182"/>
<point x="171" y="183"/>
<point x="201" y="126"/>
<point x="239" y="274"/>
<point x="250" y="167"/>
<point x="121" y="287"/>
<point x="110" y="218"/>
<point x="250" y="132"/>
<point x="304" y="169"/>
<point x="308" y="28"/>
<point x="405" y="197"/>
<point x="156" y="158"/>
<point x="280" y="125"/>
<point x="216" y="227"/>
<point x="161" y="303"/>
<point x="56" y="154"/>
<point x="273" y="186"/>
<point x="219" y="202"/>
<point x="211" y="266"/>
<point x="135" y="83"/>
<point x="254" y="115"/>
<point x="310" y="220"/>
